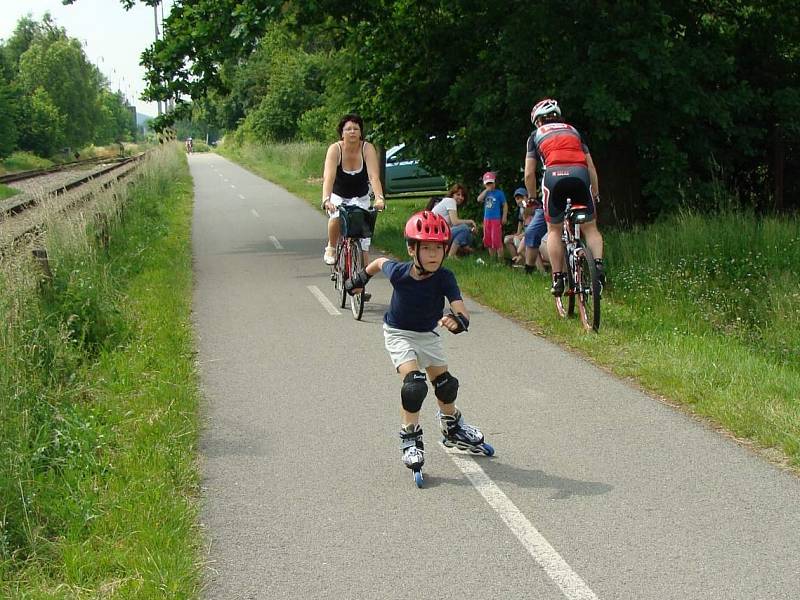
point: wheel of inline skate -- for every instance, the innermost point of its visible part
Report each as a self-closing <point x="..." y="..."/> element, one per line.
<point x="488" y="449"/>
<point x="418" y="478"/>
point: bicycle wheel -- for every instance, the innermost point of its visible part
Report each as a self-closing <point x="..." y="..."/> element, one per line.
<point x="341" y="270"/>
<point x="588" y="289"/>
<point x="356" y="264"/>
<point x="567" y="309"/>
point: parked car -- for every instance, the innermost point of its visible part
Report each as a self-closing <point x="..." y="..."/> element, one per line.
<point x="404" y="174"/>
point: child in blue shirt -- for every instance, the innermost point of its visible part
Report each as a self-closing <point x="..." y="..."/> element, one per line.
<point x="495" y="215"/>
<point x="420" y="287"/>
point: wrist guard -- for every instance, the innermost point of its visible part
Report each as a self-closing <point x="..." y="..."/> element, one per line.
<point x="359" y="281"/>
<point x="462" y="320"/>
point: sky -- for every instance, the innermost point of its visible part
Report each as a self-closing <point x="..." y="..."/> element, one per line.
<point x="113" y="38"/>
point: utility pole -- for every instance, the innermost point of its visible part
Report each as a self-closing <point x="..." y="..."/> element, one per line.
<point x="155" y="20"/>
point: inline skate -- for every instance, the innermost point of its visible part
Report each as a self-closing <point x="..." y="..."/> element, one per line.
<point x="458" y="434"/>
<point x="413" y="450"/>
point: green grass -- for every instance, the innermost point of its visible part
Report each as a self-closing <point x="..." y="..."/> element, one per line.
<point x="703" y="311"/>
<point x="98" y="408"/>
<point x="22" y="161"/>
<point x="7" y="192"/>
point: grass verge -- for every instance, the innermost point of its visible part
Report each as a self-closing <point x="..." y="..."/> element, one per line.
<point x="7" y="192"/>
<point x="98" y="412"/>
<point x="703" y="312"/>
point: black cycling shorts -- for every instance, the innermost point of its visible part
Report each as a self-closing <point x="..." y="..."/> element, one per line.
<point x="562" y="182"/>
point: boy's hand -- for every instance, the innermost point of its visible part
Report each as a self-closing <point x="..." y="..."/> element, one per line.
<point x="357" y="283"/>
<point x="455" y="323"/>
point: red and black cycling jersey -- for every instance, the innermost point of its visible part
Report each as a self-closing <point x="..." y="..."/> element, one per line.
<point x="557" y="144"/>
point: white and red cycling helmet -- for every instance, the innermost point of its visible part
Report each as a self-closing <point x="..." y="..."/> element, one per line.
<point x="545" y="107"/>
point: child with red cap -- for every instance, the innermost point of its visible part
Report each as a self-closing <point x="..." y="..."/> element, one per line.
<point x="495" y="215"/>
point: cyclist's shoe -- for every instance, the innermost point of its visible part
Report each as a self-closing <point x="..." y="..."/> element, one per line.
<point x="411" y="446"/>
<point x="558" y="284"/>
<point x="330" y="255"/>
<point x="601" y="273"/>
<point x="366" y="297"/>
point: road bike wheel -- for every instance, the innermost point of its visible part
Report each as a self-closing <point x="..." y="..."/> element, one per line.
<point x="341" y="273"/>
<point x="588" y="287"/>
<point x="356" y="264"/>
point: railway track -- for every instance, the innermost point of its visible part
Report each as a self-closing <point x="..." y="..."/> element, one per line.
<point x="23" y="217"/>
<point x="22" y="175"/>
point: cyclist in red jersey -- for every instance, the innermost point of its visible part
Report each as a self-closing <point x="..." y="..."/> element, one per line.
<point x="569" y="172"/>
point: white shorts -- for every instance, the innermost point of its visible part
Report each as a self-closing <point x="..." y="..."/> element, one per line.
<point x="423" y="346"/>
<point x="361" y="202"/>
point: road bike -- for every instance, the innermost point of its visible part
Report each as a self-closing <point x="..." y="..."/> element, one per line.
<point x="356" y="224"/>
<point x="583" y="283"/>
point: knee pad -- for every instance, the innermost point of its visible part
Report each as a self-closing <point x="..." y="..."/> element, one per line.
<point x="415" y="388"/>
<point x="445" y="386"/>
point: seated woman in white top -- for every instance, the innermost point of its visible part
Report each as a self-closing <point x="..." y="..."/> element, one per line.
<point x="461" y="230"/>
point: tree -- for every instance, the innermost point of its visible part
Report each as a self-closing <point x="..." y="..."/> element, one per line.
<point x="672" y="96"/>
<point x="8" y="119"/>
<point x="60" y="68"/>
<point x="41" y="124"/>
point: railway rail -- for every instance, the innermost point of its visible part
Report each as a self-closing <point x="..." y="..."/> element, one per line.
<point x="23" y="217"/>
<point x="22" y="175"/>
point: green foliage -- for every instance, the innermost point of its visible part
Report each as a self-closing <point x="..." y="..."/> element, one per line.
<point x="41" y="124"/>
<point x="23" y="161"/>
<point x="7" y="192"/>
<point x="671" y="97"/>
<point x="55" y="97"/>
<point x="61" y="69"/>
<point x="113" y="121"/>
<point x="8" y="120"/>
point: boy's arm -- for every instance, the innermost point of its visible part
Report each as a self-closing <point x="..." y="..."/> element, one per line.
<point x="482" y="195"/>
<point x="375" y="266"/>
<point x="505" y="212"/>
<point x="359" y="281"/>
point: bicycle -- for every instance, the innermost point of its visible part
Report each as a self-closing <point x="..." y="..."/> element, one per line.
<point x="356" y="223"/>
<point x="582" y="282"/>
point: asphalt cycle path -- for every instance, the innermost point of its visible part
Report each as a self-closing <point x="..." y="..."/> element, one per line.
<point x="596" y="490"/>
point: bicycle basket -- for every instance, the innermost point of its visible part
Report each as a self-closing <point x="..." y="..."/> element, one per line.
<point x="357" y="222"/>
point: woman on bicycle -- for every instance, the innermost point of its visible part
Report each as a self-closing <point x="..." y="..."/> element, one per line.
<point x="569" y="172"/>
<point x="420" y="287"/>
<point x="351" y="167"/>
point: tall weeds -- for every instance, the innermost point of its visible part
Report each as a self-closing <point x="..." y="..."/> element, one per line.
<point x="83" y="409"/>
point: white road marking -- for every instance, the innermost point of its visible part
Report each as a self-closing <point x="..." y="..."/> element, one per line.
<point x="275" y="241"/>
<point x="323" y="300"/>
<point x="233" y="187"/>
<point x="255" y="214"/>
<point x="242" y="197"/>
<point x="572" y="586"/>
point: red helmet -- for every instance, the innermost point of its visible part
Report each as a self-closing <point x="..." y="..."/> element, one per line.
<point x="426" y="226"/>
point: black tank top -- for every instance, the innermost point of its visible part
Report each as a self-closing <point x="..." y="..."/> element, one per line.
<point x="351" y="186"/>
